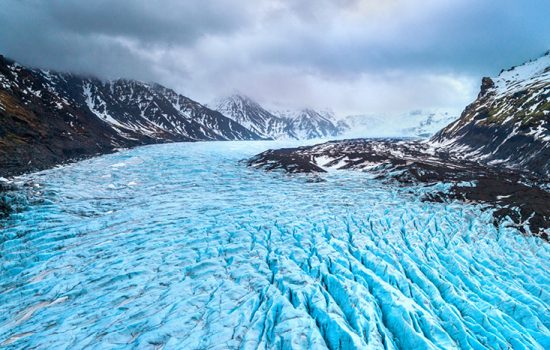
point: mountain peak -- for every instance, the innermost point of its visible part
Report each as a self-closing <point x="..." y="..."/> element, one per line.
<point x="236" y="97"/>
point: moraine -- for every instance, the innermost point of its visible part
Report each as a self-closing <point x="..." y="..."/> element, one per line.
<point x="184" y="246"/>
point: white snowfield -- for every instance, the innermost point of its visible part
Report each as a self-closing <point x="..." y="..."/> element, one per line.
<point x="417" y="123"/>
<point x="181" y="246"/>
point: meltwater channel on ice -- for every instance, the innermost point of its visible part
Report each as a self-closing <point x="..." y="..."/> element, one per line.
<point x="182" y="246"/>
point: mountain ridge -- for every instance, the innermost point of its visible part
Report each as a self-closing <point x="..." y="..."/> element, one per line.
<point x="300" y="124"/>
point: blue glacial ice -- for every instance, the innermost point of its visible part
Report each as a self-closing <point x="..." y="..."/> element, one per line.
<point x="181" y="246"/>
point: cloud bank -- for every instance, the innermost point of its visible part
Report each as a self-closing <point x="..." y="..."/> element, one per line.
<point x="354" y="56"/>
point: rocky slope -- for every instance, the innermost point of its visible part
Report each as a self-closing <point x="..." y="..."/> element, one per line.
<point x="47" y="118"/>
<point x="509" y="122"/>
<point x="298" y="125"/>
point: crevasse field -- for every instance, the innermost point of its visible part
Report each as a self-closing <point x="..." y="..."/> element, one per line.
<point x="181" y="246"/>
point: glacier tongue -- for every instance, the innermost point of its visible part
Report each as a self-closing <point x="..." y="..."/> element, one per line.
<point x="202" y="252"/>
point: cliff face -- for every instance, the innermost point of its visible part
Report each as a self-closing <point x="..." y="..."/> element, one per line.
<point x="509" y="122"/>
<point x="47" y="118"/>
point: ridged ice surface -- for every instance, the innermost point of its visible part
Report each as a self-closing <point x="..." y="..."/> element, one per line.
<point x="180" y="246"/>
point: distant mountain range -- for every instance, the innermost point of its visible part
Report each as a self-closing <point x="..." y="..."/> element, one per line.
<point x="312" y="124"/>
<point x="506" y="127"/>
<point x="251" y="115"/>
<point x="298" y="125"/>
<point x="48" y="117"/>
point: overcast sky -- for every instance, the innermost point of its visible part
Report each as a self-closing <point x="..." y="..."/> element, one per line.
<point x="354" y="56"/>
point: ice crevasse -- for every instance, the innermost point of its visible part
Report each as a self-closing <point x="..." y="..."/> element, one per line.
<point x="181" y="246"/>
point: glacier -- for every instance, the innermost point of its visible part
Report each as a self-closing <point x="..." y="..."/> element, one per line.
<point x="182" y="246"/>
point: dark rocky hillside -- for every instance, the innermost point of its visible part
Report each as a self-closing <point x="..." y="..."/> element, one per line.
<point x="509" y="122"/>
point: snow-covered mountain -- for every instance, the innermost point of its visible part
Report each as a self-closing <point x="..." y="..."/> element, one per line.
<point x="417" y="123"/>
<point x="310" y="124"/>
<point x="509" y="122"/>
<point x="49" y="117"/>
<point x="251" y="115"/>
<point x="287" y="124"/>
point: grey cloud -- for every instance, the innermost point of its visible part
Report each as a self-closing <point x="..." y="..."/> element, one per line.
<point x="156" y="23"/>
<point x="110" y="38"/>
<point x="352" y="55"/>
<point x="472" y="37"/>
